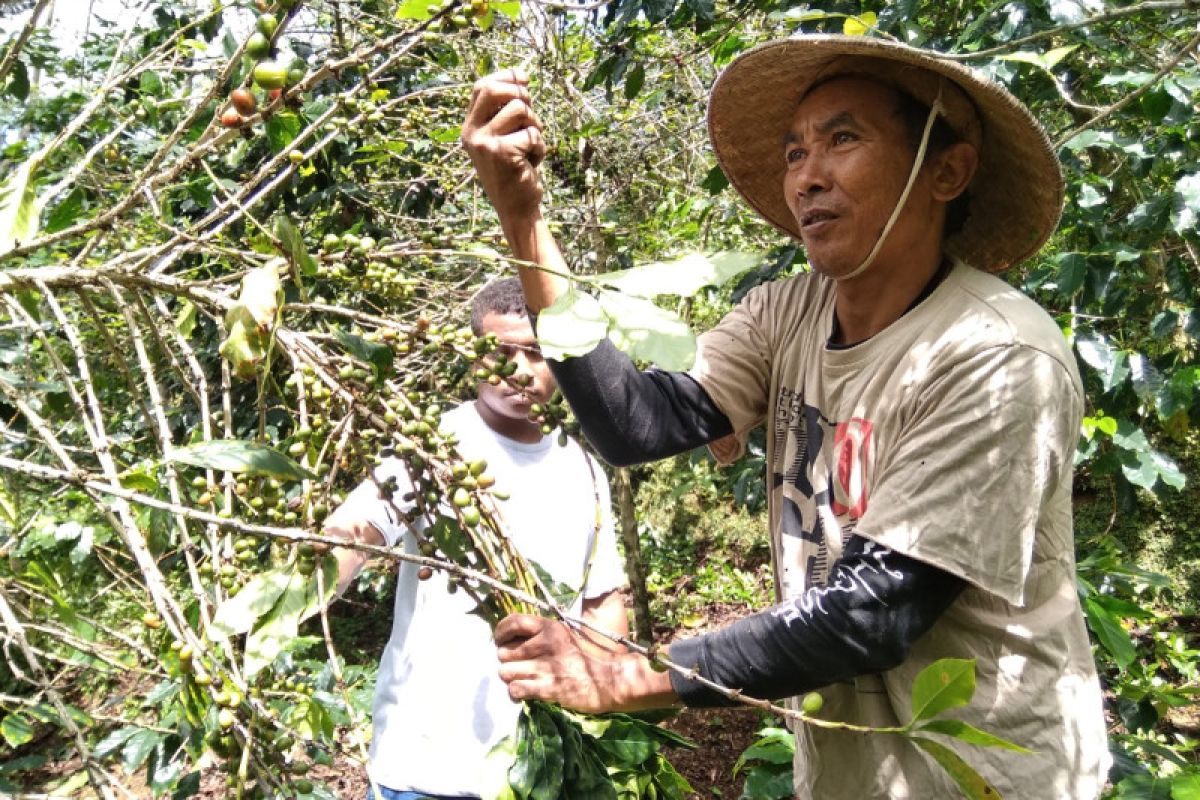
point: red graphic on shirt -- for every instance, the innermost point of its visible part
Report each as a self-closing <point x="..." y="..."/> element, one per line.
<point x="851" y="455"/>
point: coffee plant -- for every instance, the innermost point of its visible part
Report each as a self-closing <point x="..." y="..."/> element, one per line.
<point x="236" y="244"/>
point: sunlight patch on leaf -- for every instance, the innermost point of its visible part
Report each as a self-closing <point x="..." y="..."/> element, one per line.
<point x="239" y="613"/>
<point x="648" y="333"/>
<point x="572" y="326"/>
<point x="280" y="626"/>
<point x="860" y="25"/>
<point x="944" y="684"/>
<point x="237" y="455"/>
<point x="19" y="207"/>
<point x="683" y="277"/>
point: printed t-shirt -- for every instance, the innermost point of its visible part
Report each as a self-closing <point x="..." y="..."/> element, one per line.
<point x="439" y="703"/>
<point x="949" y="437"/>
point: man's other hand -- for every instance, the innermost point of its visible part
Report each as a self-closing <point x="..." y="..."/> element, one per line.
<point x="542" y="659"/>
<point x="349" y="560"/>
<point x="503" y="137"/>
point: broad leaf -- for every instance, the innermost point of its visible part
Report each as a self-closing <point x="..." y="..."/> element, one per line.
<point x="293" y="246"/>
<point x="279" y="627"/>
<point x="66" y="212"/>
<point x="942" y="685"/>
<point x="969" y="734"/>
<point x="572" y="326"/>
<point x="1108" y="629"/>
<point x="282" y="129"/>
<point x="1046" y="61"/>
<point x="1110" y="362"/>
<point x="1072" y="269"/>
<point x="250" y="321"/>
<point x="237" y="455"/>
<point x="16" y="729"/>
<point x="859" y="25"/>
<point x="969" y="781"/>
<point x="775" y="746"/>
<point x="379" y="356"/>
<point x="649" y="333"/>
<point x="715" y="181"/>
<point x="762" y="784"/>
<point x="1185" y="216"/>
<point x="683" y="277"/>
<point x="239" y="613"/>
<point x="185" y="318"/>
<point x="138" y="748"/>
<point x="627" y="743"/>
<point x="18" y="205"/>
<point x="509" y="8"/>
<point x="416" y="9"/>
<point x="635" y="79"/>
<point x="1186" y="787"/>
<point x="319" y="592"/>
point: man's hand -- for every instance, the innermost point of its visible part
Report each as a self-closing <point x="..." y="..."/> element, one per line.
<point x="350" y="561"/>
<point x="503" y="136"/>
<point x="542" y="659"/>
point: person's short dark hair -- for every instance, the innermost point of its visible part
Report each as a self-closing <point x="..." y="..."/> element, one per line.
<point x="500" y="296"/>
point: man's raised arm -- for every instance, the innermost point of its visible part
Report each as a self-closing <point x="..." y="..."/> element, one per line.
<point x="503" y="137"/>
<point x="629" y="416"/>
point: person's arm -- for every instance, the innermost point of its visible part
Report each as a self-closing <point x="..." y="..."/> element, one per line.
<point x="503" y="137"/>
<point x="606" y="612"/>
<point x="350" y="562"/>
<point x="875" y="606"/>
<point x="630" y="416"/>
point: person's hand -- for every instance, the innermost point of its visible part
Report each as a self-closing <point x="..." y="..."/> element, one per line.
<point x="503" y="137"/>
<point x="349" y="560"/>
<point x="541" y="659"/>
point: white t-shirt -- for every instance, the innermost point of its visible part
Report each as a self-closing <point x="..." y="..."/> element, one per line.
<point x="949" y="437"/>
<point x="439" y="703"/>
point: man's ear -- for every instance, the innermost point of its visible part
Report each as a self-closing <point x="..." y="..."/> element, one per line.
<point x="953" y="170"/>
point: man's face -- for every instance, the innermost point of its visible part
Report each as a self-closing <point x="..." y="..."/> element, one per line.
<point x="517" y="343"/>
<point x="847" y="163"/>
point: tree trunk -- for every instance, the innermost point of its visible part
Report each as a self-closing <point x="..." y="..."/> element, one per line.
<point x="635" y="568"/>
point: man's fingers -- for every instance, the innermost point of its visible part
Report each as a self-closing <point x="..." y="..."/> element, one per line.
<point x="514" y="116"/>
<point x="527" y="142"/>
<point x="491" y="94"/>
<point x="516" y="627"/>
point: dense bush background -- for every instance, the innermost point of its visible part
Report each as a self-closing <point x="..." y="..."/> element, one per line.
<point x="129" y="215"/>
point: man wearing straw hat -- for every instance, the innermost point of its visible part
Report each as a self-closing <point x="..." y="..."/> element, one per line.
<point x="922" y="418"/>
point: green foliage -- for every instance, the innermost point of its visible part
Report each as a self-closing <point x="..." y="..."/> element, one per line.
<point x="129" y="216"/>
<point x="560" y="754"/>
<point x="240" y="457"/>
<point x="767" y="764"/>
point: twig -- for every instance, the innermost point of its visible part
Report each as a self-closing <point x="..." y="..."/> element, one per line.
<point x="1108" y="16"/>
<point x="1108" y="111"/>
<point x="14" y="49"/>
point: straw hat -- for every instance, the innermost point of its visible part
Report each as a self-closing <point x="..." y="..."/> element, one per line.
<point x="1016" y="194"/>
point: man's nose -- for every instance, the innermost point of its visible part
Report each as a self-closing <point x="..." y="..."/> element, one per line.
<point x="521" y="359"/>
<point x="811" y="176"/>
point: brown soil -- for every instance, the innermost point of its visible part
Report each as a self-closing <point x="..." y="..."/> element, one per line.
<point x="721" y="735"/>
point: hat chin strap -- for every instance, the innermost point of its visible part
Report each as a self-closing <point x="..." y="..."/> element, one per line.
<point x="934" y="110"/>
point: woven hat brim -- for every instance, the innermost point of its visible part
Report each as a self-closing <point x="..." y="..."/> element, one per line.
<point x="1016" y="194"/>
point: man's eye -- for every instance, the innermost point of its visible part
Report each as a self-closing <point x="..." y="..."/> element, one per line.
<point x="843" y="137"/>
<point x="794" y="155"/>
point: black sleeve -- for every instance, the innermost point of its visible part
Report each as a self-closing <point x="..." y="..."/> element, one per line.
<point x="876" y="604"/>
<point x="631" y="416"/>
